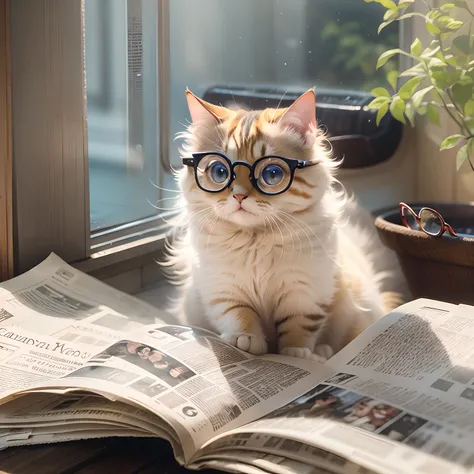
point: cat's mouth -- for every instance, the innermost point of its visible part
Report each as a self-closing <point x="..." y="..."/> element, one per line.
<point x="241" y="210"/>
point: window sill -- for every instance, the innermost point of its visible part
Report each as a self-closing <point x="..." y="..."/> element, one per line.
<point x="131" y="267"/>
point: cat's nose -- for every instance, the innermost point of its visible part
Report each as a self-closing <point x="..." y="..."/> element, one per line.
<point x="240" y="197"/>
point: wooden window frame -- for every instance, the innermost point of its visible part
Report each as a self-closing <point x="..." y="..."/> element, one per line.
<point x="6" y="166"/>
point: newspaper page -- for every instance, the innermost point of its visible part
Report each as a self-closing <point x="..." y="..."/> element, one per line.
<point x="56" y="300"/>
<point x="54" y="318"/>
<point x="75" y="341"/>
<point x="398" y="400"/>
<point x="276" y="464"/>
<point x="40" y="418"/>
<point x="188" y="376"/>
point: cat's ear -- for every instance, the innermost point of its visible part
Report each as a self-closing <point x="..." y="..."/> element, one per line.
<point x="300" y="116"/>
<point x="202" y="111"/>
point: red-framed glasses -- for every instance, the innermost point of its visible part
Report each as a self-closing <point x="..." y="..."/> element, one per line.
<point x="429" y="221"/>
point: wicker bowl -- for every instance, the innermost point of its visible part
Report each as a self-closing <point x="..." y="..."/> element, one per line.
<point x="437" y="268"/>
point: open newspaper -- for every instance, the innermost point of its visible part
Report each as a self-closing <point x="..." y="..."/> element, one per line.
<point x="80" y="360"/>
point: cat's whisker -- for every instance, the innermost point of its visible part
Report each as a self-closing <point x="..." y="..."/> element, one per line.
<point x="323" y="247"/>
<point x="278" y="219"/>
<point x="279" y="103"/>
<point x="204" y="221"/>
<point x="169" y="209"/>
<point x="219" y="206"/>
<point x="176" y="198"/>
<point x="281" y="234"/>
<point x="302" y="228"/>
<point x="200" y="215"/>
<point x="209" y="234"/>
<point x="292" y="233"/>
<point x="164" y="189"/>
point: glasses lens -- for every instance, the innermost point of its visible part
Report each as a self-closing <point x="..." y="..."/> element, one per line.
<point x="410" y="220"/>
<point x="430" y="222"/>
<point x="213" y="173"/>
<point x="272" y="175"/>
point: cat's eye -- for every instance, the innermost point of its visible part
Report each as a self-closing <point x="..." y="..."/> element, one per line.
<point x="213" y="173"/>
<point x="272" y="175"/>
<point x="219" y="173"/>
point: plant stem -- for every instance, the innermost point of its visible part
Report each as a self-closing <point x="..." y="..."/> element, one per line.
<point x="462" y="123"/>
<point x="427" y="5"/>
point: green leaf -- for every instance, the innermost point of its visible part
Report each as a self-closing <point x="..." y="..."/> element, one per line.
<point x="443" y="21"/>
<point x="432" y="114"/>
<point x="469" y="108"/>
<point x="440" y="78"/>
<point x="383" y="25"/>
<point x="378" y="102"/>
<point x="387" y="4"/>
<point x="461" y="157"/>
<point x="380" y="92"/>
<point x="433" y="14"/>
<point x="447" y="7"/>
<point x="389" y="54"/>
<point x="392" y="78"/>
<point x="461" y="43"/>
<point x="410" y="113"/>
<point x="432" y="29"/>
<point x="397" y="109"/>
<point x="462" y="93"/>
<point x="454" y="25"/>
<point x="390" y="15"/>
<point x="408" y="89"/>
<point x="450" y="142"/>
<point x="419" y="95"/>
<point x="381" y="113"/>
<point x="431" y="51"/>
<point x="416" y="47"/>
<point x="421" y="110"/>
<point x="417" y="71"/>
<point x="436" y="62"/>
<point x="451" y="60"/>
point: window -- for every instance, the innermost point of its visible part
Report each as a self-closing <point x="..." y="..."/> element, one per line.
<point x="284" y="43"/>
<point x="91" y="175"/>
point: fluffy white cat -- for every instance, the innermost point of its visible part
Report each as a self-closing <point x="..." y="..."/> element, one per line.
<point x="268" y="258"/>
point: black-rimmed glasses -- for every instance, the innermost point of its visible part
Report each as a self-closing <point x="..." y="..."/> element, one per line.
<point x="270" y="175"/>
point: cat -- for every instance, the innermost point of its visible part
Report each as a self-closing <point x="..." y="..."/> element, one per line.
<point x="284" y="272"/>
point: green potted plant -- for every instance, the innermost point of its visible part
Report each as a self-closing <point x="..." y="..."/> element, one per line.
<point x="441" y="77"/>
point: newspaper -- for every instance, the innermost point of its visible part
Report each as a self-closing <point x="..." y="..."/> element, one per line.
<point x="80" y="360"/>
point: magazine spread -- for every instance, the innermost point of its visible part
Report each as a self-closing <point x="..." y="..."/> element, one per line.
<point x="79" y="359"/>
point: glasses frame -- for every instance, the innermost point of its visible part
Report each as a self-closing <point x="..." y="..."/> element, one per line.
<point x="445" y="227"/>
<point x="292" y="163"/>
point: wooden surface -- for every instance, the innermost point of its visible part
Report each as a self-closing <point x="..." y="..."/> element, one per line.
<point x="114" y="456"/>
<point x="6" y="220"/>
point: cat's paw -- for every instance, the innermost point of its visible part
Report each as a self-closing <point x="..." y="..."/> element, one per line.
<point x="246" y="342"/>
<point x="302" y="353"/>
<point x="324" y="350"/>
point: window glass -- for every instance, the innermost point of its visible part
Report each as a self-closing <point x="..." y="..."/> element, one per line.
<point x="284" y="43"/>
<point x="122" y="109"/>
